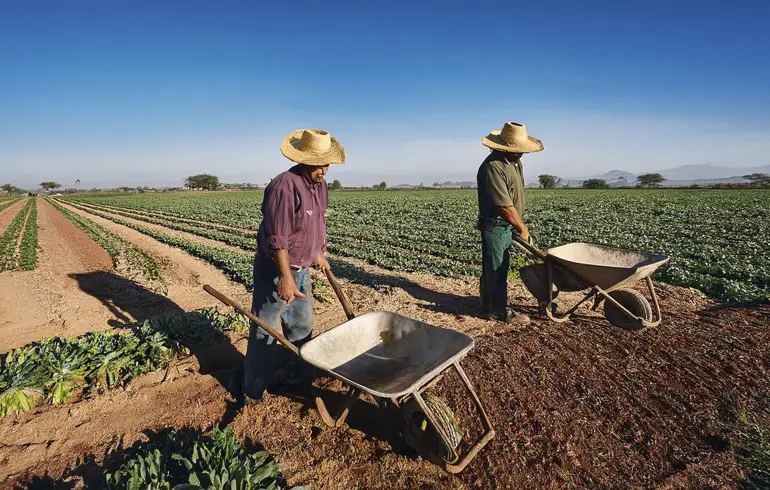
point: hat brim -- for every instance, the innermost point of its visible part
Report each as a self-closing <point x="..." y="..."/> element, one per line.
<point x="493" y="140"/>
<point x="335" y="154"/>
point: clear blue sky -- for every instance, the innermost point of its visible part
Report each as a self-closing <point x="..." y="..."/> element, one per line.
<point x="150" y="91"/>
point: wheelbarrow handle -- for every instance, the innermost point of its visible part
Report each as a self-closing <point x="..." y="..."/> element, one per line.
<point x="264" y="326"/>
<point x="529" y="248"/>
<point x="340" y="294"/>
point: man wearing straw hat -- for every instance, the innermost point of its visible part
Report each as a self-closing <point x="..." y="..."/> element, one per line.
<point x="291" y="238"/>
<point x="500" y="182"/>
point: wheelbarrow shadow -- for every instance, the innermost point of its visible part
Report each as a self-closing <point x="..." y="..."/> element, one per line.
<point x="130" y="303"/>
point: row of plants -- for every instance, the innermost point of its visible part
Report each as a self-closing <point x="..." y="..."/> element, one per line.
<point x="717" y="240"/>
<point x="246" y="241"/>
<point x="8" y="202"/>
<point x="54" y="369"/>
<point x="9" y="241"/>
<point x="190" y="459"/>
<point x="28" y="254"/>
<point x="127" y="258"/>
<point x="237" y="266"/>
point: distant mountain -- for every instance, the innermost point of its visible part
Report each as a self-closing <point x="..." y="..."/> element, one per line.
<point x="676" y="177"/>
<point x="697" y="172"/>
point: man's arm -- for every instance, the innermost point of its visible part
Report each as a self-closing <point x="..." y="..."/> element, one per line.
<point x="278" y="220"/>
<point x="509" y="214"/>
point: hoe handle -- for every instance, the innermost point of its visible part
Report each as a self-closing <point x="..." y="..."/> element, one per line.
<point x="340" y="294"/>
<point x="277" y="335"/>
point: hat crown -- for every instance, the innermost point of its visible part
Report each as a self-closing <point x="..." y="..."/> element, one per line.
<point x="314" y="141"/>
<point x="514" y="132"/>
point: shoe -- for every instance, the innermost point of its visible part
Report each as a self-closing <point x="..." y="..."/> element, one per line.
<point x="511" y="317"/>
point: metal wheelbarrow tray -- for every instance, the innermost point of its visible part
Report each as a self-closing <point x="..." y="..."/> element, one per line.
<point x="395" y="359"/>
<point x="606" y="271"/>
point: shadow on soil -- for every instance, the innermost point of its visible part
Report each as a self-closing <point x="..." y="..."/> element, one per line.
<point x="127" y="299"/>
<point x="450" y="304"/>
<point x="90" y="471"/>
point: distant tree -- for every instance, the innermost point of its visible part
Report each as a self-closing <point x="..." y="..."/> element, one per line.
<point x="125" y="189"/>
<point x="8" y="188"/>
<point x="202" y="181"/>
<point x="49" y="186"/>
<point x="382" y="186"/>
<point x="335" y="186"/>
<point x="548" y="181"/>
<point x="595" y="184"/>
<point x="758" y="180"/>
<point x="650" y="180"/>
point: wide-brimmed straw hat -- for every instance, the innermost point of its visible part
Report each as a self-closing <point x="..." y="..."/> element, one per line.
<point x="512" y="139"/>
<point x="312" y="147"/>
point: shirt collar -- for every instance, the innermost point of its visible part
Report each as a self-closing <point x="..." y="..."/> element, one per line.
<point x="297" y="169"/>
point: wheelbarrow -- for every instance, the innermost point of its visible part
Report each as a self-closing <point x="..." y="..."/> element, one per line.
<point x="605" y="271"/>
<point x="394" y="359"/>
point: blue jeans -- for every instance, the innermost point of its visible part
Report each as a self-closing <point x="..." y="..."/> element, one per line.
<point x="295" y="320"/>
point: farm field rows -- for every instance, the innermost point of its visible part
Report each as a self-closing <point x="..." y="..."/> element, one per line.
<point x="717" y="239"/>
<point x="18" y="242"/>
<point x="581" y="404"/>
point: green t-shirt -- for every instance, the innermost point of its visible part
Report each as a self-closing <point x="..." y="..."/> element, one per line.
<point x="500" y="182"/>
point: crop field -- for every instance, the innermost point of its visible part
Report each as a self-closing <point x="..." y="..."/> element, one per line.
<point x="717" y="239"/>
<point x="118" y="371"/>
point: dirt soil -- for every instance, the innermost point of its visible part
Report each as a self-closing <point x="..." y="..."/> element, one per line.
<point x="575" y="405"/>
<point x="8" y="214"/>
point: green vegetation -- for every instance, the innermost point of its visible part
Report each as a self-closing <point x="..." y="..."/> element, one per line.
<point x="202" y="181"/>
<point x="127" y="257"/>
<point x="56" y="368"/>
<point x="595" y="184"/>
<point x="191" y="460"/>
<point x="9" y="259"/>
<point x="548" y="181"/>
<point x="49" y="185"/>
<point x="717" y="239"/>
<point x="650" y="180"/>
<point x="752" y="450"/>
<point x="28" y="259"/>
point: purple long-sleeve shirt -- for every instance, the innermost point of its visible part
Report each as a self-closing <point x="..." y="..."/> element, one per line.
<point x="294" y="218"/>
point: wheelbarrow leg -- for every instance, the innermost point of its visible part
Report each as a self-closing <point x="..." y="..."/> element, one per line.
<point x="350" y="398"/>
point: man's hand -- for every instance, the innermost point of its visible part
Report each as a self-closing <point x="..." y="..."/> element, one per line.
<point x="524" y="233"/>
<point x="287" y="289"/>
<point x="321" y="261"/>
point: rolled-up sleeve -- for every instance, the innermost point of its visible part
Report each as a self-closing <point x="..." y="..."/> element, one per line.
<point x="278" y="216"/>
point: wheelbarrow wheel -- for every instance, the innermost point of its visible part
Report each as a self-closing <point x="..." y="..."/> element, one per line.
<point x="420" y="434"/>
<point x="634" y="302"/>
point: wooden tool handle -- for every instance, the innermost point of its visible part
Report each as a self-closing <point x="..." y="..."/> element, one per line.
<point x="277" y="335"/>
<point x="340" y="294"/>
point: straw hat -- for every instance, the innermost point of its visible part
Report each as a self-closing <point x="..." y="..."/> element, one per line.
<point x="512" y="139"/>
<point x="312" y="147"/>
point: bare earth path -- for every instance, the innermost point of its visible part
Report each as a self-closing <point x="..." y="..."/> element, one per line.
<point x="48" y="300"/>
<point x="8" y="214"/>
<point x="575" y="405"/>
<point x="186" y="274"/>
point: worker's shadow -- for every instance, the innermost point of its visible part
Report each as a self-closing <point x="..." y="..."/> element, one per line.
<point x="450" y="304"/>
<point x="131" y="303"/>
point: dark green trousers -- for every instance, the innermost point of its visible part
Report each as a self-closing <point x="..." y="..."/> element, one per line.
<point x="496" y="238"/>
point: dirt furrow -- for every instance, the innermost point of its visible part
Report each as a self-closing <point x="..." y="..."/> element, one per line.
<point x="168" y="231"/>
<point x="7" y="214"/>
